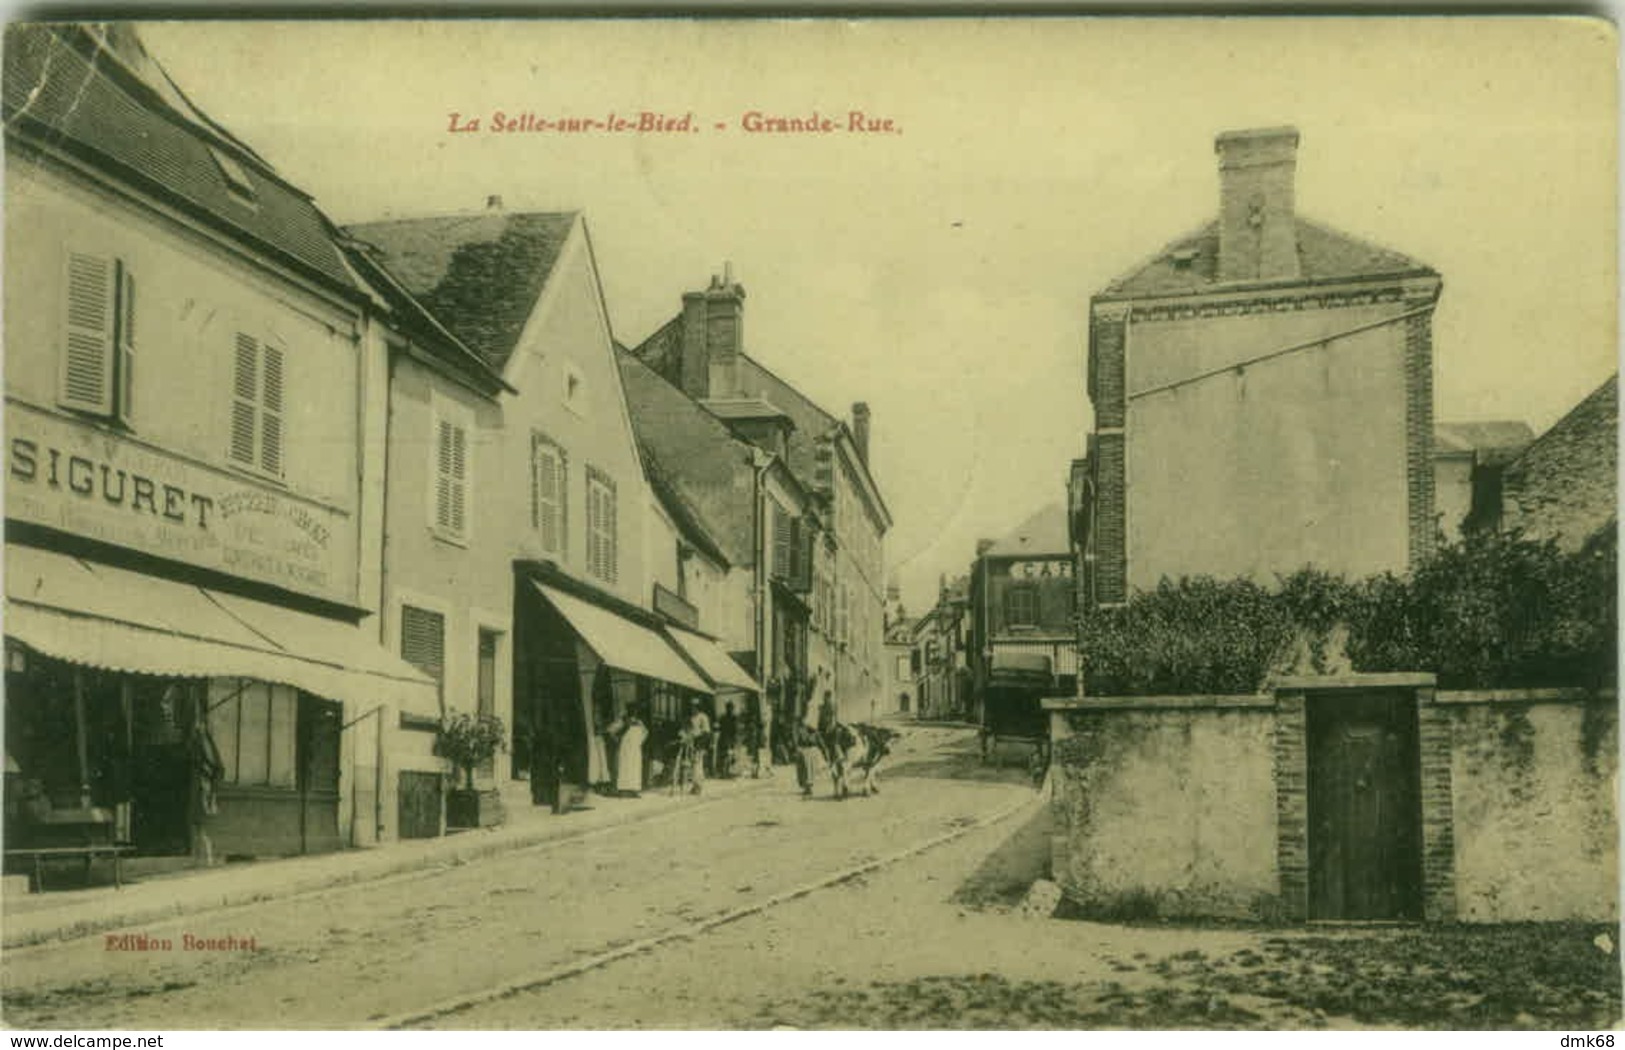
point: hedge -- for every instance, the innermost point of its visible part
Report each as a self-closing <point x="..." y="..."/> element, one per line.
<point x="1494" y="611"/>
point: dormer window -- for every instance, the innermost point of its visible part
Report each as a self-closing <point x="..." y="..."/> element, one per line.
<point x="242" y="190"/>
<point x="1183" y="257"/>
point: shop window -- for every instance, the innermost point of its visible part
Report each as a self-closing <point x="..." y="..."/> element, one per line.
<point x="602" y="553"/>
<point x="257" y="434"/>
<point x="254" y="727"/>
<point x="97" y="367"/>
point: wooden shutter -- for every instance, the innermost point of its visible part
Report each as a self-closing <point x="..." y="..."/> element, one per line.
<point x="245" y="400"/>
<point x="782" y="543"/>
<point x="547" y="494"/>
<point x="125" y="361"/>
<point x="271" y="409"/>
<point x="451" y="475"/>
<point x="88" y="349"/>
<point x="423" y="640"/>
<point x="611" y="537"/>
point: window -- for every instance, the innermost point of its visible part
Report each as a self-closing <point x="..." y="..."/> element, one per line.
<point x="485" y="685"/>
<point x="575" y="389"/>
<point x="601" y="545"/>
<point x="904" y="666"/>
<point x="253" y="725"/>
<point x="236" y="176"/>
<point x="98" y="347"/>
<point x="256" y="405"/>
<point x="451" y="478"/>
<point x="1021" y="606"/>
<point x="547" y="489"/>
<point x="423" y="641"/>
<point x="783" y="543"/>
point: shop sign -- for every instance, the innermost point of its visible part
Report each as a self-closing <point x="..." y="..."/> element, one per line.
<point x="88" y="482"/>
<point x="1033" y="570"/>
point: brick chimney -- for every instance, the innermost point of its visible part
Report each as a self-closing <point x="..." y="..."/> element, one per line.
<point x="860" y="429"/>
<point x="1258" y="237"/>
<point x="713" y="338"/>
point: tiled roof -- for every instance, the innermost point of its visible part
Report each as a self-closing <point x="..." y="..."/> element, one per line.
<point x="1490" y="436"/>
<point x="58" y="96"/>
<point x="1565" y="485"/>
<point x="694" y="453"/>
<point x="1189" y="265"/>
<point x="811" y="422"/>
<point x="479" y="275"/>
<point x="1043" y="533"/>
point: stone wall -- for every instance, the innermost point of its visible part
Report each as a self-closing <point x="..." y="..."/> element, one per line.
<point x="1168" y="811"/>
<point x="1533" y="776"/>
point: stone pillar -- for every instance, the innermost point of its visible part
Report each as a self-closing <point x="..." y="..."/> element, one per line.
<point x="1438" y="811"/>
<point x="1292" y="804"/>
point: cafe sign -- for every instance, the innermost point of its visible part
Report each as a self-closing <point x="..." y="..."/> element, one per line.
<point x="90" y="483"/>
<point x="1034" y="570"/>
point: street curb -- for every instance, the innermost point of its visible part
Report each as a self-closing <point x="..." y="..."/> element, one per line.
<point x="374" y="866"/>
<point x="580" y="966"/>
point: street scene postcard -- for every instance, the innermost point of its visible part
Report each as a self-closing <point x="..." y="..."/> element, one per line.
<point x="765" y="524"/>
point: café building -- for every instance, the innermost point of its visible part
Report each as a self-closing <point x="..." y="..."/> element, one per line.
<point x="190" y="669"/>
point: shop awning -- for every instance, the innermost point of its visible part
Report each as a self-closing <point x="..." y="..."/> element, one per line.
<point x="621" y="643"/>
<point x="714" y="661"/>
<point x="118" y="620"/>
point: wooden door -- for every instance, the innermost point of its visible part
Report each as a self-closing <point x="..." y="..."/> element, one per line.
<point x="419" y="807"/>
<point x="319" y="724"/>
<point x="1364" y="808"/>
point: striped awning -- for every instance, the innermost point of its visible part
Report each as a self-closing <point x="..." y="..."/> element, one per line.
<point x="119" y="620"/>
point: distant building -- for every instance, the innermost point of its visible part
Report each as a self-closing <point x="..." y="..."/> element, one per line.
<point x="1262" y="390"/>
<point x="1023" y="633"/>
<point x="898" y="661"/>
<point x="825" y="608"/>
<point x="1565" y="485"/>
<point x="1468" y="459"/>
<point x="942" y="676"/>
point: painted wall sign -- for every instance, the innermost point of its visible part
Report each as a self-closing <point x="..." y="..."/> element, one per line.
<point x="94" y="484"/>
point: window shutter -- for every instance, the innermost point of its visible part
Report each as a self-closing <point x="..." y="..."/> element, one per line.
<point x="245" y="399"/>
<point x="536" y="484"/>
<point x="88" y="351"/>
<point x="610" y="536"/>
<point x="459" y="478"/>
<point x="781" y="543"/>
<point x="423" y="640"/>
<point x="271" y="409"/>
<point x="125" y="363"/>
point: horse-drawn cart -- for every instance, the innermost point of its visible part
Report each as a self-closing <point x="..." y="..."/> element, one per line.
<point x="1012" y="710"/>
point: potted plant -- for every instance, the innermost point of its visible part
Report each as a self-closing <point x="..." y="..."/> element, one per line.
<point x="468" y="742"/>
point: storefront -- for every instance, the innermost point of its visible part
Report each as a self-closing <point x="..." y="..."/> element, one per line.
<point x="185" y="720"/>
<point x="583" y="661"/>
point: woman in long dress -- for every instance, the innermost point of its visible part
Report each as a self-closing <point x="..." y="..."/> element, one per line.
<point x="629" y="757"/>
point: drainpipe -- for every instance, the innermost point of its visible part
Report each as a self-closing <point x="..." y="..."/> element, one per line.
<point x="760" y="465"/>
<point x="380" y="780"/>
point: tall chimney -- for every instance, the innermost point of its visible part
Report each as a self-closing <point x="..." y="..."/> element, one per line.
<point x="860" y="429"/>
<point x="1258" y="237"/>
<point x="713" y="338"/>
<point x="493" y="203"/>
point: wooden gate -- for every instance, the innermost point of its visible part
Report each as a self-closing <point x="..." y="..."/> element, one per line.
<point x="1364" y="807"/>
<point x="419" y="809"/>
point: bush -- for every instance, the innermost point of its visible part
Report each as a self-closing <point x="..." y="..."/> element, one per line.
<point x="1493" y="611"/>
<point x="468" y="740"/>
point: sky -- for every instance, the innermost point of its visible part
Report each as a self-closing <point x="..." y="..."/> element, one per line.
<point x="941" y="270"/>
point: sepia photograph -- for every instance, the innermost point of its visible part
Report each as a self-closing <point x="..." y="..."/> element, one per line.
<point x="1141" y="555"/>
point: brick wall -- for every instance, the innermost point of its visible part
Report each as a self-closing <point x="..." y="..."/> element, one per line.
<point x="1292" y="805"/>
<point x="1419" y="431"/>
<point x="1107" y="340"/>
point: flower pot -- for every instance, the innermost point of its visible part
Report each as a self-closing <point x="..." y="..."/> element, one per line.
<point x="473" y="809"/>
